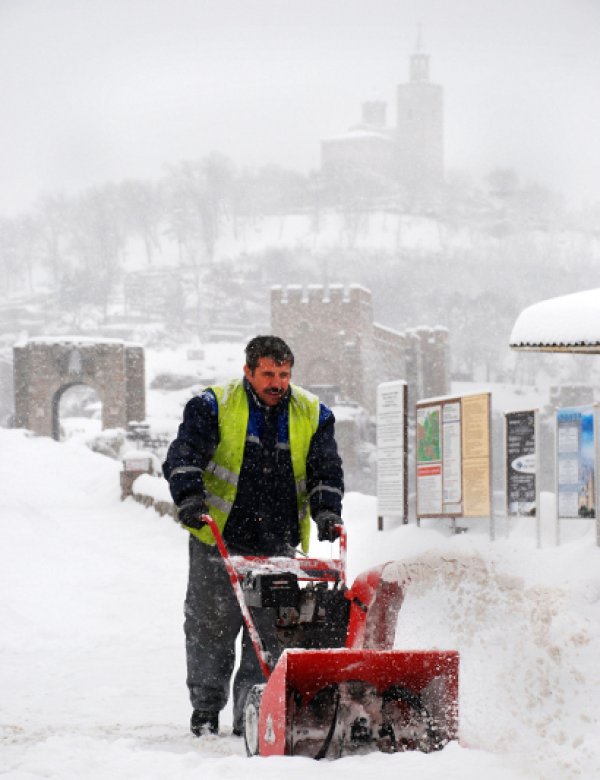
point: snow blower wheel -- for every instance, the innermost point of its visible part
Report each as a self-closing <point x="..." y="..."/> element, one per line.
<point x="251" y="713"/>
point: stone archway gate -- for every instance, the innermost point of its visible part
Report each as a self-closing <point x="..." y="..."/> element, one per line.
<point x="45" y="367"/>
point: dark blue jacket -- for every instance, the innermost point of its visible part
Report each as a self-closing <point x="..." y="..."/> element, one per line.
<point x="264" y="517"/>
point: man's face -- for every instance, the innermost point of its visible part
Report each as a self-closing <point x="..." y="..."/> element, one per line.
<point x="269" y="380"/>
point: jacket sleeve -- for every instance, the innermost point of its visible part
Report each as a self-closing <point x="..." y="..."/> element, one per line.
<point x="324" y="473"/>
<point x="191" y="450"/>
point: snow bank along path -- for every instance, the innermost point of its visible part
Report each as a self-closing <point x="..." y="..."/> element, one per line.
<point x="524" y="690"/>
<point x="92" y="668"/>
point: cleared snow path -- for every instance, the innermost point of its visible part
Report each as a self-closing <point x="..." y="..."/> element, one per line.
<point x="92" y="668"/>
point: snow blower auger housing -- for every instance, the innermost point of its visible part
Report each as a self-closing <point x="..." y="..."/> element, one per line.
<point x="334" y="684"/>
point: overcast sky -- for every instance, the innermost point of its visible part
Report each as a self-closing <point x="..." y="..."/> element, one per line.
<point x="98" y="90"/>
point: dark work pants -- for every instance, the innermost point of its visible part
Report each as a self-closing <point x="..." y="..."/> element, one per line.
<point x="212" y="622"/>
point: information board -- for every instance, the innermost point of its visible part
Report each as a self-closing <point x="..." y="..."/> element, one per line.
<point x="576" y="462"/>
<point x="453" y="457"/>
<point x="520" y="447"/>
<point x="392" y="431"/>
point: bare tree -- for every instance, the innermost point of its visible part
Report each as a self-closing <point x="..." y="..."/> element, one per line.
<point x="9" y="255"/>
<point x="53" y="212"/>
<point x="142" y="208"/>
<point x="97" y="241"/>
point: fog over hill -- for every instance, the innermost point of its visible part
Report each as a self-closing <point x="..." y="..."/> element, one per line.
<point x="118" y="219"/>
<point x="123" y="255"/>
<point x="108" y="90"/>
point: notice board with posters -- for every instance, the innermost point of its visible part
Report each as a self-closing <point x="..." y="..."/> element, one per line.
<point x="453" y="456"/>
<point x="576" y="463"/>
<point x="392" y="439"/>
<point x="521" y="463"/>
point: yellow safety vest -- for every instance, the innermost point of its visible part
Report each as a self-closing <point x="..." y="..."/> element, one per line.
<point x="222" y="473"/>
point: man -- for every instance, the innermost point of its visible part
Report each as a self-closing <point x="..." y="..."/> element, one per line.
<point x="259" y="455"/>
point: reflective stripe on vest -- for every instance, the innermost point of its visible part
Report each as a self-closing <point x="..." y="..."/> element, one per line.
<point x="222" y="473"/>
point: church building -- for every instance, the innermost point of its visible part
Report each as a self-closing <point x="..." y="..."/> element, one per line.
<point x="411" y="154"/>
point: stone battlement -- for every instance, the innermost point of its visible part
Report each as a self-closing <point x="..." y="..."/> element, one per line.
<point x="318" y="294"/>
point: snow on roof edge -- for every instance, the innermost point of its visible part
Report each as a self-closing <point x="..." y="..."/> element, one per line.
<point x="74" y="340"/>
<point x="567" y="323"/>
<point x="582" y="349"/>
<point x="436" y="399"/>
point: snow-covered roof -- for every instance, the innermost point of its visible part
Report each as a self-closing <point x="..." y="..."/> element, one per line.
<point x="569" y="323"/>
<point x="82" y="341"/>
<point x="356" y="134"/>
<point x="436" y="399"/>
<point x="387" y="329"/>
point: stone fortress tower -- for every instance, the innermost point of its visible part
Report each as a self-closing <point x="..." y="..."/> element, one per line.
<point x="343" y="355"/>
<point x="412" y="152"/>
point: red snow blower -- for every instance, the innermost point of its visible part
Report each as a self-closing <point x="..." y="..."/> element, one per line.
<point x="334" y="685"/>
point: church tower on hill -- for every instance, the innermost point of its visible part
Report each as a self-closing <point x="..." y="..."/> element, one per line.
<point x="410" y="154"/>
<point x="420" y="127"/>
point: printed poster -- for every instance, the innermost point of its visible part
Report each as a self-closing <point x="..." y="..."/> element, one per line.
<point x="452" y="456"/>
<point x="391" y="449"/>
<point x="477" y="492"/>
<point x="576" y="462"/>
<point x="429" y="461"/>
<point x="520" y="448"/>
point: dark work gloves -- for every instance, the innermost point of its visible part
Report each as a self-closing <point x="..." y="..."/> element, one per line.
<point x="190" y="512"/>
<point x="326" y="523"/>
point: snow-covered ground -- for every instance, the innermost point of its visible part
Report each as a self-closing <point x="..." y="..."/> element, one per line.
<point x="92" y="669"/>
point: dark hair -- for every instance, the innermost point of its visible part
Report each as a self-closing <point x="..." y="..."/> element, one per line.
<point x="267" y="347"/>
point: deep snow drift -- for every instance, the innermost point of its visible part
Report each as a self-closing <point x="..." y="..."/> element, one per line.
<point x="92" y="667"/>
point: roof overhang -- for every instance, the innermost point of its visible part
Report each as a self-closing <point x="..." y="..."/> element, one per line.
<point x="569" y="323"/>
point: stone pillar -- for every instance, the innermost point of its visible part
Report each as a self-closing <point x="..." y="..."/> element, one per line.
<point x="136" y="383"/>
<point x="21" y="385"/>
<point x="110" y="374"/>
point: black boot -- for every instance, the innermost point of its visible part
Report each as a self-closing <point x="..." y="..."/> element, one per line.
<point x="204" y="722"/>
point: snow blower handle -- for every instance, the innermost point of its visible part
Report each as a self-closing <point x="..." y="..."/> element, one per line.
<point x="340" y="564"/>
<point x="262" y="654"/>
<point x="343" y="539"/>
